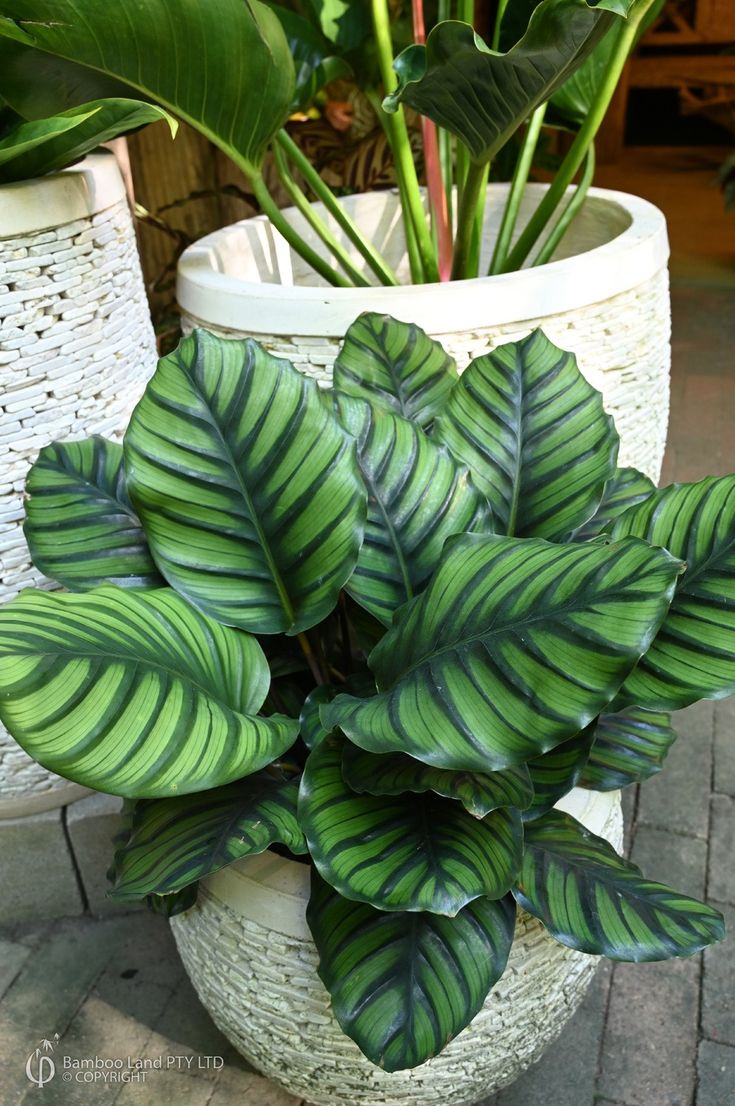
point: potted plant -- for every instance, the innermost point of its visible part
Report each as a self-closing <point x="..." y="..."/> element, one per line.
<point x="369" y="667"/>
<point x="77" y="343"/>
<point x="597" y="279"/>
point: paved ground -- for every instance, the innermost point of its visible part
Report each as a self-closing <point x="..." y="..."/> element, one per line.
<point x="651" y="1035"/>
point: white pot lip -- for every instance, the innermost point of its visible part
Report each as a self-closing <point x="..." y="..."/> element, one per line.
<point x="632" y="258"/>
<point x="42" y="203"/>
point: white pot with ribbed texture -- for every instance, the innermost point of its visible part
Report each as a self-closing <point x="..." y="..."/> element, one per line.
<point x="76" y="349"/>
<point x="605" y="296"/>
<point x="248" y="951"/>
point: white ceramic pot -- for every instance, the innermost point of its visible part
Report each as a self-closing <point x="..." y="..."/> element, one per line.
<point x="605" y="296"/>
<point x="248" y="951"/>
<point x="76" y="348"/>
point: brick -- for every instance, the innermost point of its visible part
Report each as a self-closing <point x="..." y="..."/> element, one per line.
<point x="92" y="823"/>
<point x="672" y="858"/>
<point x="721" y="883"/>
<point x="184" y="1020"/>
<point x="38" y="874"/>
<point x="13" y="956"/>
<point x="677" y="798"/>
<point x="565" y="1074"/>
<point x="249" y="1090"/>
<point x="718" y="986"/>
<point x="724" y="775"/>
<point x="167" y="1088"/>
<point x="648" y="1055"/>
<point x="716" y="1072"/>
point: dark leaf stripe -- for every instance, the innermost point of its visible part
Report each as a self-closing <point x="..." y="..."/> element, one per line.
<point x="628" y="748"/>
<point x="403" y="985"/>
<point x="555" y="773"/>
<point x="626" y="488"/>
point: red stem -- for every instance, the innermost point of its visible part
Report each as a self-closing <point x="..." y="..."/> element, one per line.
<point x="434" y="179"/>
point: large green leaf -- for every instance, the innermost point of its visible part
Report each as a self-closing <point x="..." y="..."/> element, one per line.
<point x="402" y="984"/>
<point x="45" y="145"/>
<point x="626" y="488"/>
<point x="418" y="496"/>
<point x="313" y="56"/>
<point x="406" y="853"/>
<point x="135" y="692"/>
<point x="225" y="68"/>
<point x="515" y="646"/>
<point x="593" y="900"/>
<point x="38" y="85"/>
<point x="483" y="96"/>
<point x="176" y="842"/>
<point x="396" y="773"/>
<point x="629" y="747"/>
<point x="247" y="487"/>
<point x="555" y="773"/>
<point x="396" y="365"/>
<point x="534" y="435"/>
<point x="80" y="526"/>
<point x="693" y="655"/>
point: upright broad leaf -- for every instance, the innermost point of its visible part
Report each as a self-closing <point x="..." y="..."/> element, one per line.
<point x="313" y="56"/>
<point x="626" y="488"/>
<point x="418" y="496"/>
<point x="80" y="526"/>
<point x="534" y="435"/>
<point x="483" y="96"/>
<point x="176" y="842"/>
<point x="403" y="985"/>
<point x="135" y="693"/>
<point x="407" y="853"/>
<point x="555" y="773"/>
<point x="593" y="900"/>
<point x="396" y="773"/>
<point x="395" y="365"/>
<point x="45" y="145"/>
<point x="513" y="647"/>
<point x="628" y="748"/>
<point x="247" y="487"/>
<point x="693" y="655"/>
<point x="224" y="68"/>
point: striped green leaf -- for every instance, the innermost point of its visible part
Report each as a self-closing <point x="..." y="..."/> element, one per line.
<point x="628" y="747"/>
<point x="311" y="729"/>
<point x="247" y="487"/>
<point x="595" y="901"/>
<point x="693" y="655"/>
<point x="534" y="435"/>
<point x="417" y="497"/>
<point x="555" y="773"/>
<point x="396" y="773"/>
<point x="395" y="365"/>
<point x="404" y="984"/>
<point x="626" y="488"/>
<point x="405" y="853"/>
<point x="175" y="903"/>
<point x="176" y="842"/>
<point x="135" y="692"/>
<point x="515" y="646"/>
<point x="80" y="526"/>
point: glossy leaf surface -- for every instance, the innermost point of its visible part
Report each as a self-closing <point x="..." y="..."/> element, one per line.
<point x="628" y="747"/>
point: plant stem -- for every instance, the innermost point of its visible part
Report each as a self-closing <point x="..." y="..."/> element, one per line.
<point x="466" y="11"/>
<point x="578" y="150"/>
<point x="323" y="192"/>
<point x="517" y="188"/>
<point x="413" y="207"/>
<point x="467" y="220"/>
<point x="502" y="5"/>
<point x="281" y="223"/>
<point x="473" y="261"/>
<point x="570" y="211"/>
<point x="303" y="205"/>
<point x="310" y="658"/>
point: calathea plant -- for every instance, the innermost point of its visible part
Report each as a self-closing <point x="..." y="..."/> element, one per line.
<point x="383" y="628"/>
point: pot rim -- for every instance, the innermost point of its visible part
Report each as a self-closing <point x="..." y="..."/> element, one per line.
<point x="630" y="259"/>
<point x="42" y="203"/>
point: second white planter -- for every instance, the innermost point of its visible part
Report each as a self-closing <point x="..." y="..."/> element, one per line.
<point x="605" y="296"/>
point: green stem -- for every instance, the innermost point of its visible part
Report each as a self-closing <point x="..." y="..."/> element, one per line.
<point x="473" y="260"/>
<point x="413" y="206"/>
<point x="466" y="11"/>
<point x="578" y="150"/>
<point x="294" y="239"/>
<point x="502" y="5"/>
<point x="323" y="192"/>
<point x="323" y="231"/>
<point x="517" y="188"/>
<point x="570" y="212"/>
<point x="467" y="220"/>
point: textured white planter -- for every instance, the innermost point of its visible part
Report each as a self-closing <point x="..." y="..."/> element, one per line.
<point x="249" y="953"/>
<point x="76" y="348"/>
<point x="605" y="296"/>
